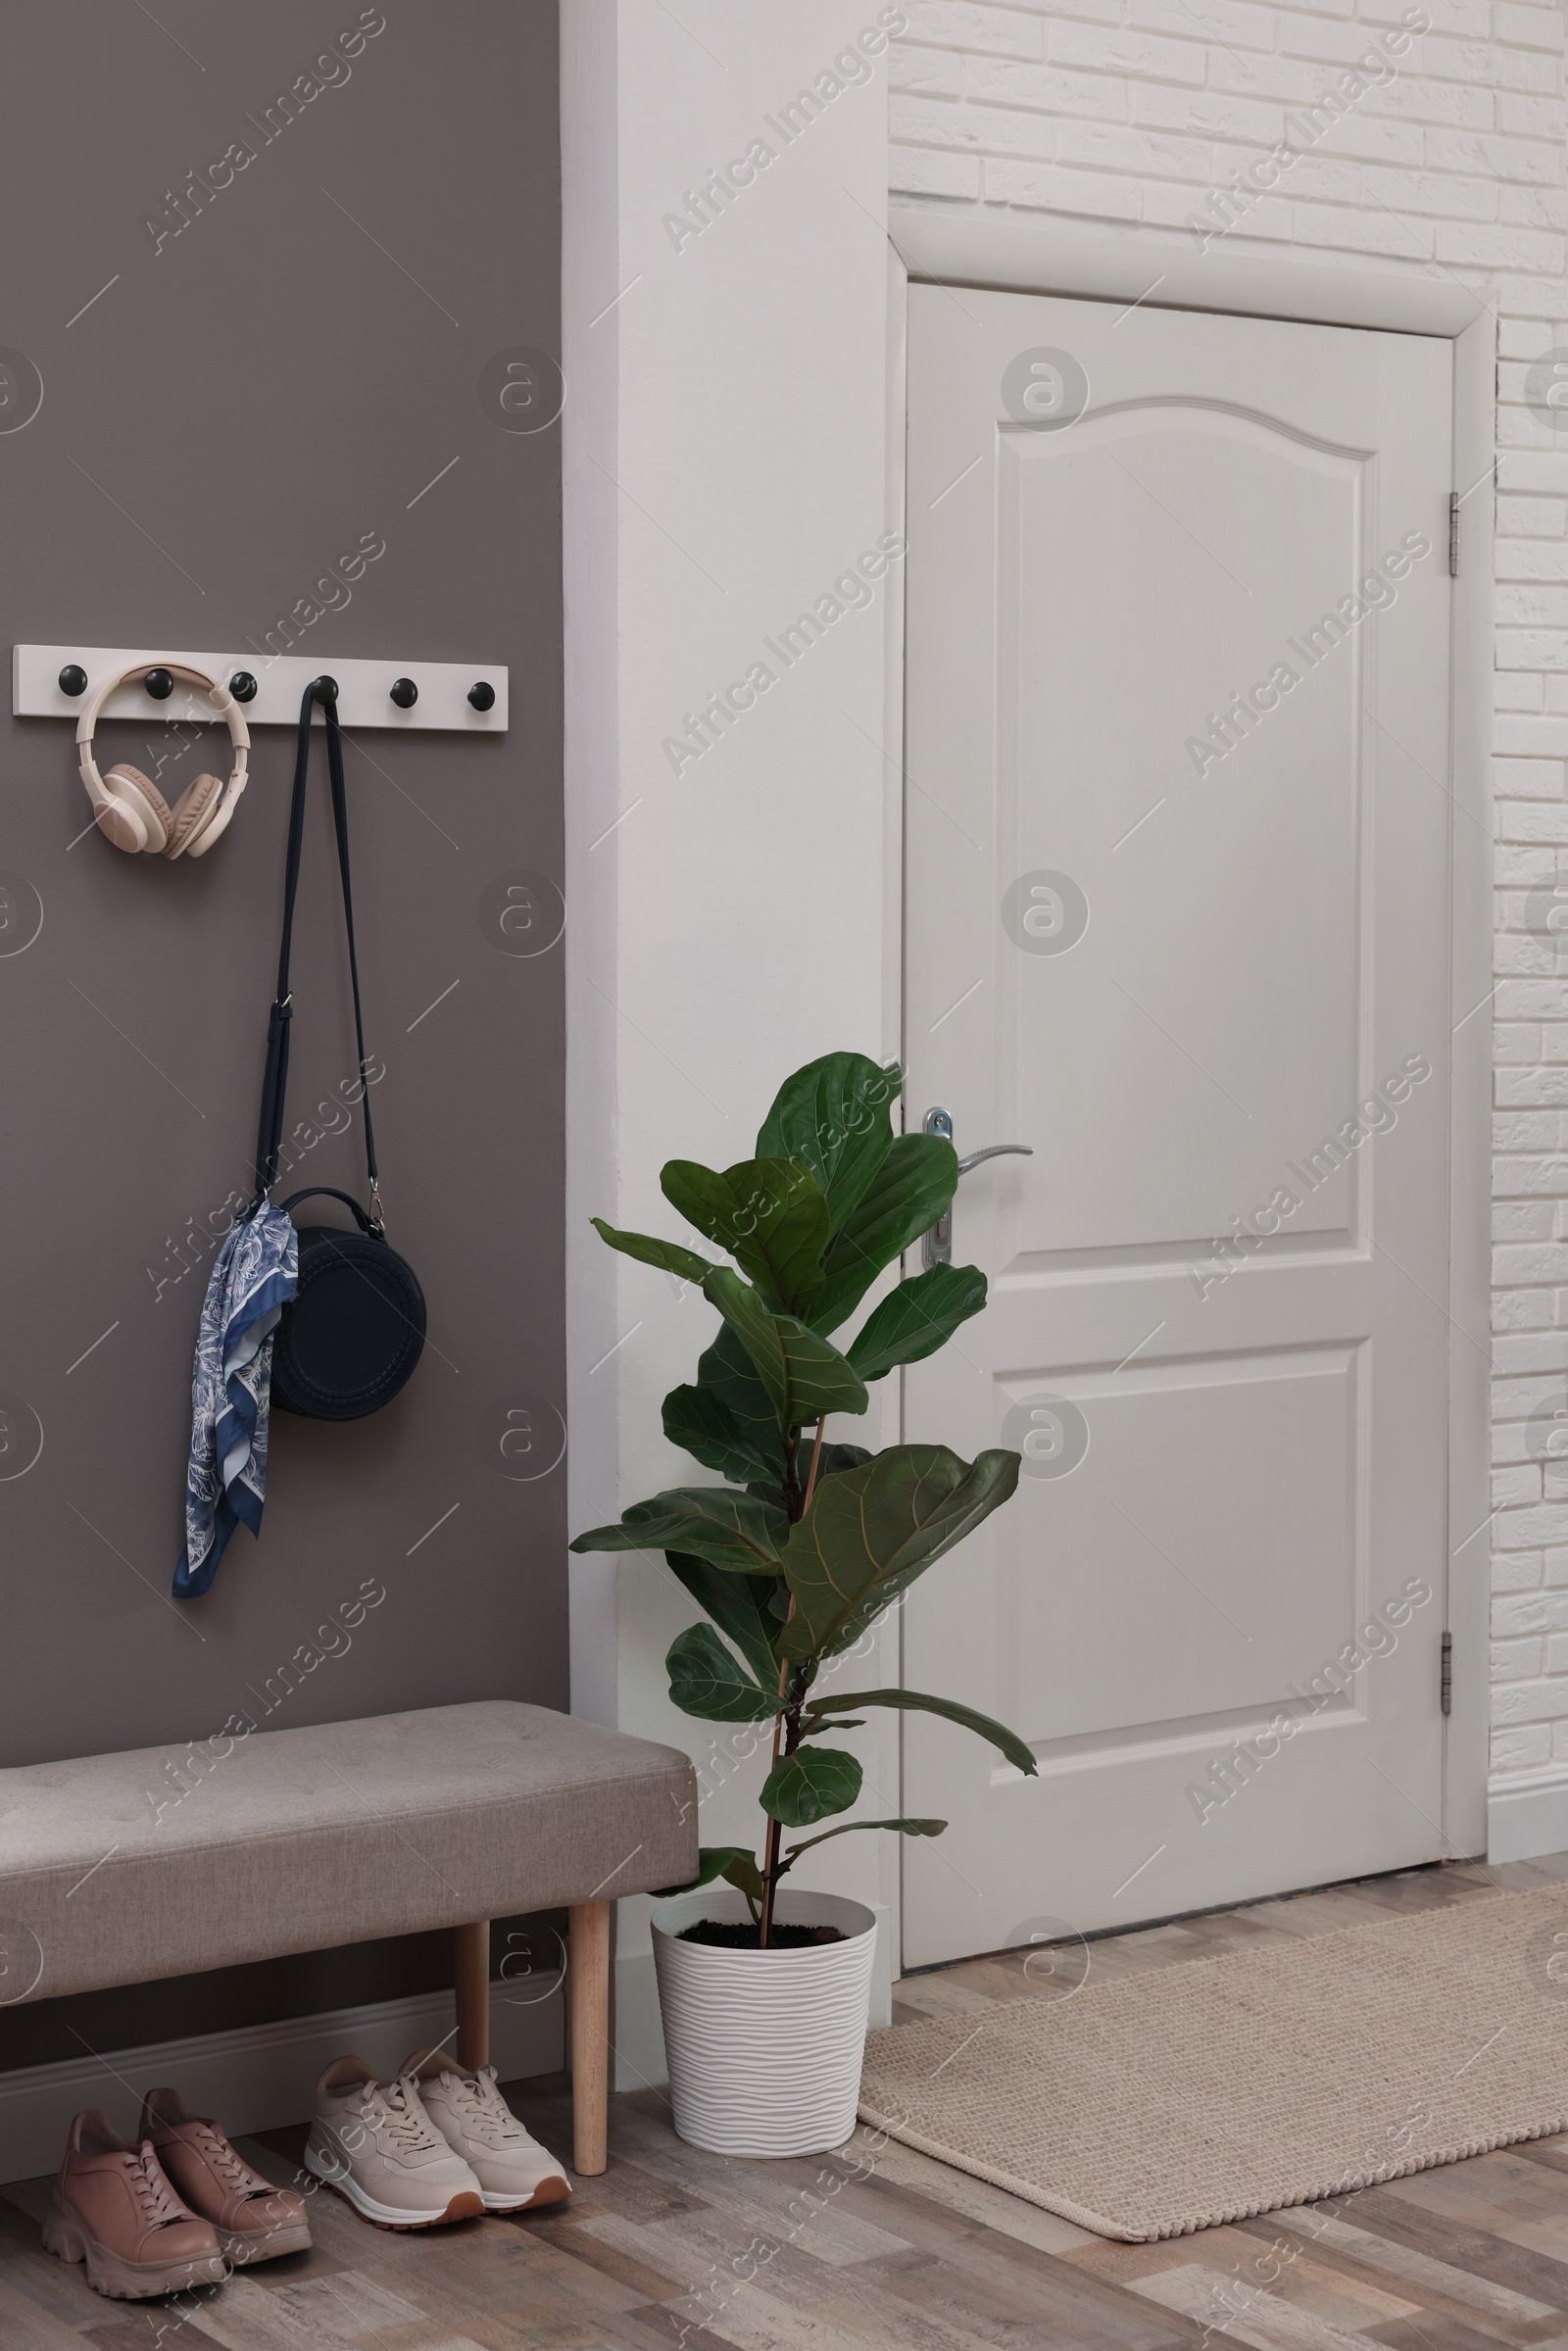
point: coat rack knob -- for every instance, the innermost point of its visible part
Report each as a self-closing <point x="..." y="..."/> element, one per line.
<point x="324" y="689"/>
<point x="160" y="684"/>
<point x="482" y="696"/>
<point x="242" y="686"/>
<point x="72" y="678"/>
<point x="404" y="693"/>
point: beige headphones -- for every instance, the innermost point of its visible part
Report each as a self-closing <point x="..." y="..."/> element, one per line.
<point x="130" y="810"/>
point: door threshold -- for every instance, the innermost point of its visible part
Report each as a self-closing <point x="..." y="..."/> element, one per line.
<point x="1179" y="1918"/>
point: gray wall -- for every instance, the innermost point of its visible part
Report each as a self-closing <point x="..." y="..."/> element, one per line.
<point x="251" y="400"/>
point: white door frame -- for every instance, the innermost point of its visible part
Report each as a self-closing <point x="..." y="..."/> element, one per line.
<point x="1014" y="256"/>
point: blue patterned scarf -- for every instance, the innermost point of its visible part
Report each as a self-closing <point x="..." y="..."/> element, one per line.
<point x="254" y="1275"/>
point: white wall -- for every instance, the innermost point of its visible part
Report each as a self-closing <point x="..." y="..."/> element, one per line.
<point x="725" y="459"/>
<point x="1132" y="112"/>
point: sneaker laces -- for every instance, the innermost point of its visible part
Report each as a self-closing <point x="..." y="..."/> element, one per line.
<point x="484" y="2110"/>
<point x="157" y="2198"/>
<point x="395" y="2113"/>
<point x="229" y="2165"/>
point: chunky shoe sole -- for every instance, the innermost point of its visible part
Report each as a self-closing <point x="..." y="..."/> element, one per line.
<point x="465" y="2205"/>
<point x="244" y="2247"/>
<point x="68" y="2238"/>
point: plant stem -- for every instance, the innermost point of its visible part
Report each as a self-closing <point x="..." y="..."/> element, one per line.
<point x="770" y="1850"/>
<point x="770" y="1846"/>
<point x="816" y="1455"/>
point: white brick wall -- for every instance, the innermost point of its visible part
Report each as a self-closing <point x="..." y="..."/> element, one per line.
<point x="1128" y="112"/>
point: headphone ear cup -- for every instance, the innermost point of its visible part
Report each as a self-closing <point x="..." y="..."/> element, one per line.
<point x="119" y="823"/>
<point x="215" y="826"/>
<point x="190" y="813"/>
<point x="135" y="808"/>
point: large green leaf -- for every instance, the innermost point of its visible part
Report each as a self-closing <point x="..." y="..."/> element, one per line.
<point x="870" y="1531"/>
<point x="916" y="1319"/>
<point x="848" y="1828"/>
<point x="733" y="1530"/>
<point x="804" y="1377"/>
<point x="916" y="1701"/>
<point x="706" y="1680"/>
<point x="700" y="1422"/>
<point x="834" y="1117"/>
<point x="739" y="1605"/>
<point x="727" y="1371"/>
<point x="768" y="1213"/>
<point x="809" y="1784"/>
<point x="668" y="1255"/>
<point x="909" y="1192"/>
<point x="732" y="1862"/>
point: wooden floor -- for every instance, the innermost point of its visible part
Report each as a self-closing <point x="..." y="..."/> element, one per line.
<point x="675" y="2247"/>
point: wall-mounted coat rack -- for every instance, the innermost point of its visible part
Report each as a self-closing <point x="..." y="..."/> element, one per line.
<point x="53" y="681"/>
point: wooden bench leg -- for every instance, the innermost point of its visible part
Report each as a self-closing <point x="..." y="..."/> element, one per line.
<point x="589" y="1956"/>
<point x="471" y="1976"/>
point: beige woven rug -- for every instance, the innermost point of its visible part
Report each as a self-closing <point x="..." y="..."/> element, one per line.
<point x="1204" y="2093"/>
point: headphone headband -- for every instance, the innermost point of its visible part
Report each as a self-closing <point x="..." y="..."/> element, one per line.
<point x="223" y="703"/>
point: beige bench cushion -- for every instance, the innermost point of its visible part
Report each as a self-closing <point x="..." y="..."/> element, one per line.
<point x="298" y="1840"/>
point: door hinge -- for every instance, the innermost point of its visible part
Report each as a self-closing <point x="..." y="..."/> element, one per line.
<point x="1445" y="1675"/>
<point x="1453" y="534"/>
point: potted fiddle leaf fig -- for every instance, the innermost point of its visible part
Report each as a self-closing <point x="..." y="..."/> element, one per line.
<point x="766" y="1991"/>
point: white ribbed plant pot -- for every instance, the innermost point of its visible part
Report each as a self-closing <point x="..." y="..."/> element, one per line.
<point x="764" y="2047"/>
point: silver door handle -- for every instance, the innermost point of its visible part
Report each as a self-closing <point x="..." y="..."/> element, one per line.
<point x="936" y="1246"/>
<point x="995" y="1151"/>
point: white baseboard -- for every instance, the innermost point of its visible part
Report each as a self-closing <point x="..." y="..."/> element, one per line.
<point x="261" y="2077"/>
<point x="640" y="2061"/>
<point x="1527" y="1814"/>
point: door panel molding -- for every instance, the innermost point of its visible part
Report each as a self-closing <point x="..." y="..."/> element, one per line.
<point x="1195" y="410"/>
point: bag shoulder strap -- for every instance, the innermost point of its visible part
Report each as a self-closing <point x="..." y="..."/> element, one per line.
<point x="275" y="1082"/>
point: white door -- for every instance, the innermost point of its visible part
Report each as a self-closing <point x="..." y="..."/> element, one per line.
<point x="1177" y="919"/>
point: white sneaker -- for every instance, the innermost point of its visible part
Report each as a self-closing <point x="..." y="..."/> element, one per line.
<point x="514" y="2172"/>
<point x="376" y="2144"/>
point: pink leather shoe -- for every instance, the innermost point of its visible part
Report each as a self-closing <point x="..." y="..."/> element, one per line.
<point x="253" y="2219"/>
<point x="114" y="2207"/>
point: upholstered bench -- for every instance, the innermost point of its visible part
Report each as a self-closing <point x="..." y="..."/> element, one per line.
<point x="301" y="1841"/>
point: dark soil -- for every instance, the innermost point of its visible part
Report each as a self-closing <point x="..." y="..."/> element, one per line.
<point x="732" y="1935"/>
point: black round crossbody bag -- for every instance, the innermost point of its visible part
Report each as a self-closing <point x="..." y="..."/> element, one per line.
<point x="349" y="1341"/>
